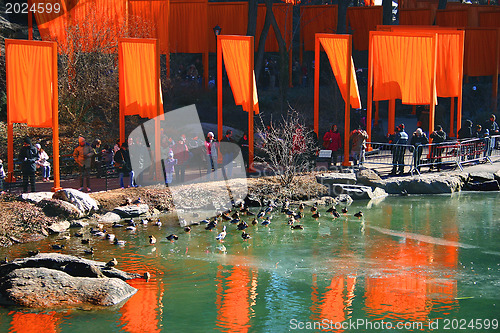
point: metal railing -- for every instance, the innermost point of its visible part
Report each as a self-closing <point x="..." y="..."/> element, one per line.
<point x="433" y="155"/>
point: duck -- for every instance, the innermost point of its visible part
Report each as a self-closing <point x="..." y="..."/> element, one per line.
<point x="242" y="225"/>
<point x="261" y="214"/>
<point x="117" y="225"/>
<point x="33" y="253"/>
<point x="289" y="212"/>
<point x="152" y="239"/>
<point x="158" y="223"/>
<point x="129" y="221"/>
<point x="335" y="214"/>
<point x="205" y="221"/>
<point x="245" y="236"/>
<point x="86" y="241"/>
<point x="146" y="276"/>
<point x="126" y="202"/>
<point x="57" y="246"/>
<point x="268" y="209"/>
<point x="235" y="221"/>
<point x="316" y="215"/>
<point x="113" y="262"/>
<point x="285" y="205"/>
<point x="331" y="209"/>
<point x="89" y="251"/>
<point x="267" y="221"/>
<point x="119" y="242"/>
<point x="297" y="227"/>
<point x="359" y="214"/>
<point x="110" y="237"/>
<point x="314" y="208"/>
<point x="222" y="234"/>
<point x="78" y="234"/>
<point x="301" y="207"/>
<point x="344" y="210"/>
<point x="144" y="221"/>
<point x="131" y="228"/>
<point x="65" y="237"/>
<point x="298" y="216"/>
<point x="132" y="223"/>
<point x="236" y="215"/>
<point x="137" y="201"/>
<point x="255" y="221"/>
<point x="211" y="226"/>
<point x="187" y="229"/>
<point x="249" y="213"/>
<point x="291" y="220"/>
<point x="226" y="217"/>
<point x="172" y="237"/>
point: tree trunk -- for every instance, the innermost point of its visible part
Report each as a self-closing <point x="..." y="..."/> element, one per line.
<point x="252" y="17"/>
<point x="387" y="12"/>
<point x="342" y="17"/>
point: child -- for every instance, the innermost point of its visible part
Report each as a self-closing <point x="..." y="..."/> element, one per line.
<point x="169" y="167"/>
<point x="2" y="177"/>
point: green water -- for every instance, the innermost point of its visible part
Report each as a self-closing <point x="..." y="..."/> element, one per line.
<point x="409" y="260"/>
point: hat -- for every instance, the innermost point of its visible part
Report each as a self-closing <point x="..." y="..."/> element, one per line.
<point x="38" y="146"/>
<point x="419" y="131"/>
<point x="402" y="126"/>
<point x="27" y="140"/>
<point x="211" y="134"/>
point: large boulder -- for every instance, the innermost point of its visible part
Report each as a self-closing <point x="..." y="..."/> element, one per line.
<point x="438" y="184"/>
<point x="368" y="177"/>
<point x="81" y="200"/>
<point x="59" y="227"/>
<point x="110" y="217"/>
<point x="481" y="176"/>
<point x="36" y="197"/>
<point x="357" y="192"/>
<point x="131" y="210"/>
<point x="60" y="208"/>
<point x="336" y="178"/>
<point x="44" y="287"/>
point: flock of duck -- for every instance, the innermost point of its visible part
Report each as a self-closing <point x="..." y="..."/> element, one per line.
<point x="233" y="216"/>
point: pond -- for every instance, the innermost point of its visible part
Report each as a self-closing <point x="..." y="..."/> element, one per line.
<point x="418" y="260"/>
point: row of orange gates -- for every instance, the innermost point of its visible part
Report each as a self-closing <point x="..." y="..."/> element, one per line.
<point x="433" y="155"/>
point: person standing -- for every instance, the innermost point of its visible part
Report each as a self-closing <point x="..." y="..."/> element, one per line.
<point x="97" y="160"/>
<point x="493" y="129"/>
<point x="438" y="137"/>
<point x="465" y="132"/>
<point x="332" y="141"/>
<point x="83" y="157"/>
<point x="124" y="165"/>
<point x="181" y="154"/>
<point x="43" y="162"/>
<point x="211" y="155"/>
<point x="357" y="139"/>
<point x="28" y="157"/>
<point x="417" y="140"/>
<point x="169" y="166"/>
<point x="399" y="140"/>
<point x="227" y="149"/>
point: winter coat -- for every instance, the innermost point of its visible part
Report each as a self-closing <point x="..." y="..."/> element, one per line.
<point x="28" y="157"/>
<point x="332" y="141"/>
<point x="83" y="155"/>
<point x="122" y="161"/>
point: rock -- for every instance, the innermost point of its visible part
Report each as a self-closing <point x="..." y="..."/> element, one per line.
<point x="491" y="185"/>
<point x="481" y="176"/>
<point x="344" y="199"/>
<point x="323" y="201"/>
<point x="78" y="224"/>
<point x="368" y="177"/>
<point x="58" y="227"/>
<point x="43" y="287"/>
<point x="497" y="176"/>
<point x="54" y="207"/>
<point x="81" y="269"/>
<point x="425" y="185"/>
<point x="356" y="192"/>
<point x="131" y="210"/>
<point x="110" y="217"/>
<point x="36" y="197"/>
<point x="59" y="261"/>
<point x="336" y="178"/>
<point x="81" y="200"/>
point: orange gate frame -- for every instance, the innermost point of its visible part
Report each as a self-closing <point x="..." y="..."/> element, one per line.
<point x="392" y="102"/>
<point x="55" y="119"/>
<point x="347" y="112"/>
<point x="249" y="39"/>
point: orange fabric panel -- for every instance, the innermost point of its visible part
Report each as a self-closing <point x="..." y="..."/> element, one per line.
<point x="362" y="20"/>
<point x="415" y="16"/>
<point x="237" y="63"/>
<point x="138" y="73"/>
<point x="232" y="17"/>
<point x="141" y="312"/>
<point x="53" y="26"/>
<point x="188" y="26"/>
<point x="154" y="15"/>
<point x="402" y="66"/>
<point x="336" y="49"/>
<point x="284" y="16"/>
<point x="480" y="51"/>
<point x="489" y="19"/>
<point x="452" y="18"/>
<point x="29" y="68"/>
<point x="35" y="322"/>
<point x="316" y="19"/>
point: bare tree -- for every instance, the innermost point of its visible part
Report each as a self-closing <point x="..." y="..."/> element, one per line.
<point x="288" y="146"/>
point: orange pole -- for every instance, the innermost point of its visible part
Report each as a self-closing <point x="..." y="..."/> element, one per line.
<point x="432" y="107"/>
<point x="460" y="79"/>
<point x="10" y="125"/>
<point x="347" y="121"/>
<point x="219" y="89"/>
<point x="55" y="121"/>
<point x="121" y="93"/>
<point x="250" y="108"/>
<point x="391" y="118"/>
<point x="30" y="21"/>
<point x="370" y="92"/>
<point x="316" y="85"/>
<point x="452" y="116"/>
<point x="159" y="111"/>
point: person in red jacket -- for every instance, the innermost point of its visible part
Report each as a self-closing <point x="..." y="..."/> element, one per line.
<point x="332" y="141"/>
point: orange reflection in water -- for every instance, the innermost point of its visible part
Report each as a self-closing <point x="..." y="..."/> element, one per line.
<point x="34" y="322"/>
<point x="235" y="300"/>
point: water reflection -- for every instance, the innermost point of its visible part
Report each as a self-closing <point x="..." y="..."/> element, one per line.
<point x="34" y="322"/>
